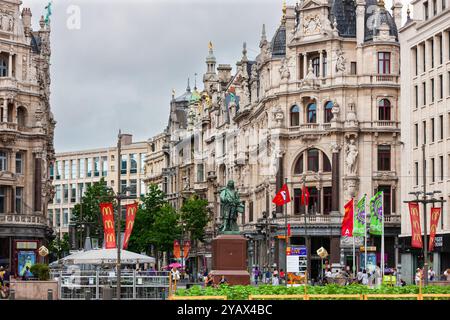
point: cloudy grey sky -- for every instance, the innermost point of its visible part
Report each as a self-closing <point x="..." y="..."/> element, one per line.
<point x="119" y="68"/>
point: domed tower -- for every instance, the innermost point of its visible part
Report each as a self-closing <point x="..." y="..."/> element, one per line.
<point x="210" y="79"/>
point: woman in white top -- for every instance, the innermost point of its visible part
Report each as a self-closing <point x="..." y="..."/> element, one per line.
<point x="365" y="278"/>
<point x="275" y="280"/>
<point x="418" y="276"/>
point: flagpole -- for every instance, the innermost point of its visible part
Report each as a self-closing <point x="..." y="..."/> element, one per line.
<point x="353" y="236"/>
<point x="365" y="232"/>
<point x="286" y="235"/>
<point x="382" y="234"/>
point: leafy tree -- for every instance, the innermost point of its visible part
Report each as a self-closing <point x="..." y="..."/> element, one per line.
<point x="60" y="246"/>
<point x="156" y="224"/>
<point x="88" y="211"/>
<point x="194" y="213"/>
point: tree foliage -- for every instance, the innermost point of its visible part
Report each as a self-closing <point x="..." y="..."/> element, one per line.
<point x="194" y="213"/>
<point x="88" y="211"/>
<point x="59" y="246"/>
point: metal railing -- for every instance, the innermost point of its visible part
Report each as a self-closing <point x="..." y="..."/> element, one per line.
<point x="98" y="285"/>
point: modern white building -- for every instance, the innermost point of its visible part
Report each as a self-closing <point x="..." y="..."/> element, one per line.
<point x="73" y="172"/>
<point x="425" y="120"/>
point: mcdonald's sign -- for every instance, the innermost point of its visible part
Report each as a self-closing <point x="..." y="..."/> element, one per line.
<point x="108" y="225"/>
<point x="435" y="214"/>
<point x="416" y="231"/>
<point x="131" y="210"/>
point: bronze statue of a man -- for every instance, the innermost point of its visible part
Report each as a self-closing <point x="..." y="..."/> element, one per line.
<point x="230" y="206"/>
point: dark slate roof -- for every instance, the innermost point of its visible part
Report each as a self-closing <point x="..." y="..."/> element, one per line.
<point x="345" y="13"/>
<point x="35" y="43"/>
<point x="278" y="43"/>
<point x="373" y="18"/>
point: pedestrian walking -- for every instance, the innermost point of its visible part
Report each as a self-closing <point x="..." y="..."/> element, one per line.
<point x="268" y="276"/>
<point x="275" y="280"/>
<point x="256" y="275"/>
<point x="365" y="278"/>
<point x="418" y="277"/>
<point x="431" y="274"/>
<point x="447" y="274"/>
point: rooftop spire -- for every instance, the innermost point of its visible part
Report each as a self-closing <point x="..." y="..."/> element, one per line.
<point x="408" y="12"/>
<point x="284" y="9"/>
<point x="195" y="81"/>
<point x="244" y="52"/>
<point x="188" y="89"/>
<point x="381" y="3"/>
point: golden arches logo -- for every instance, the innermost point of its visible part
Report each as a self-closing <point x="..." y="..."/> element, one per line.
<point x="107" y="211"/>
<point x="109" y="224"/>
<point x="110" y="237"/>
<point x="414" y="211"/>
<point x="416" y="225"/>
<point x="130" y="225"/>
<point x="418" y="237"/>
<point x="435" y="214"/>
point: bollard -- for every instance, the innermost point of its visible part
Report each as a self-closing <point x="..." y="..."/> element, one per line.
<point x="12" y="294"/>
<point x="49" y="294"/>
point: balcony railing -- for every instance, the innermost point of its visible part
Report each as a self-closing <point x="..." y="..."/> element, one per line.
<point x="386" y="124"/>
<point x="8" y="126"/>
<point x="22" y="219"/>
<point x="385" y="78"/>
<point x="308" y="127"/>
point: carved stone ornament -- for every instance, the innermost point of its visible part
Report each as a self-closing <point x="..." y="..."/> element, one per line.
<point x="312" y="25"/>
<point x="284" y="69"/>
<point x="278" y="116"/>
<point x="340" y="61"/>
<point x="351" y="158"/>
<point x="335" y="111"/>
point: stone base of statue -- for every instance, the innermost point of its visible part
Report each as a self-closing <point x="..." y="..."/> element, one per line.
<point x="229" y="259"/>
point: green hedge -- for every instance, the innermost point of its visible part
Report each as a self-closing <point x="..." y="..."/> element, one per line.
<point x="41" y="271"/>
<point x="242" y="292"/>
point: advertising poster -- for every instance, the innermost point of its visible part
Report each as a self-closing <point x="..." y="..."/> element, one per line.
<point x="371" y="261"/>
<point x="25" y="259"/>
<point x="296" y="265"/>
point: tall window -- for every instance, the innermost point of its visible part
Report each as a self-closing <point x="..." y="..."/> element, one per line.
<point x="66" y="169"/>
<point x="432" y="52"/>
<point x="65" y="217"/>
<point x="200" y="172"/>
<point x="384" y="158"/>
<point x="316" y="66"/>
<point x="298" y="169"/>
<point x="444" y="4"/>
<point x="21" y="117"/>
<point x="313" y="206"/>
<point x="143" y="190"/>
<point x="58" y="218"/>
<point x="142" y="157"/>
<point x="324" y="65"/>
<point x="424" y="91"/>
<point x="387" y="198"/>
<point x="425" y="10"/>
<point x="384" y="110"/>
<point x="328" y="113"/>
<point x="133" y="163"/>
<point x="384" y="62"/>
<point x="353" y="66"/>
<point x="432" y="90"/>
<point x="416" y="91"/>
<point x="123" y="185"/>
<point x="441" y="56"/>
<point x="326" y="163"/>
<point x="58" y="194"/>
<point x="19" y="163"/>
<point x="432" y="130"/>
<point x="89" y="167"/>
<point x="19" y="200"/>
<point x="104" y="166"/>
<point x="313" y="160"/>
<point x="81" y="165"/>
<point x="3" y="161"/>
<point x="295" y="116"/>
<point x="441" y="127"/>
<point x="327" y="200"/>
<point x="123" y="166"/>
<point x="416" y="134"/>
<point x="250" y="211"/>
<point x="312" y="113"/>
<point x="424" y="132"/>
<point x="441" y="168"/>
<point x="73" y="165"/>
<point x="434" y="7"/>
<point x="73" y="193"/>
<point x="96" y="167"/>
<point x="52" y="171"/>
<point x="3" y="68"/>
<point x="441" y="87"/>
<point x="433" y="171"/>
<point x="58" y="170"/>
<point x="2" y="199"/>
<point x="66" y="193"/>
<point x="133" y="187"/>
<point x="416" y="70"/>
<point x="298" y="208"/>
<point x="416" y="173"/>
<point x="80" y="191"/>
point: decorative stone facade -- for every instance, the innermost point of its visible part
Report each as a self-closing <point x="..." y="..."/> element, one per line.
<point x="26" y="133"/>
<point x="318" y="107"/>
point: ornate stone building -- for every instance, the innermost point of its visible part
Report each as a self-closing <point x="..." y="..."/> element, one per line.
<point x="317" y="107"/>
<point x="425" y="42"/>
<point x="26" y="134"/>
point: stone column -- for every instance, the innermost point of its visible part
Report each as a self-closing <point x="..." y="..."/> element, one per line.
<point x="38" y="183"/>
<point x="10" y="65"/>
<point x="305" y="65"/>
<point x="320" y="64"/>
<point x="335" y="181"/>
<point x="13" y="199"/>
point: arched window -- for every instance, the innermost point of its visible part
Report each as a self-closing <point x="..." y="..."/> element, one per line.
<point x="326" y="163"/>
<point x="298" y="169"/>
<point x="312" y="113"/>
<point x="384" y="110"/>
<point x="328" y="113"/>
<point x="313" y="160"/>
<point x="295" y="116"/>
<point x="3" y="68"/>
<point x="21" y="117"/>
<point x="316" y="66"/>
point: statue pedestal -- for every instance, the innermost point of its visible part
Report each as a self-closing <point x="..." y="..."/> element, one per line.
<point x="229" y="259"/>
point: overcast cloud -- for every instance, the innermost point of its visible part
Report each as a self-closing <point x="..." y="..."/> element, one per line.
<point x="119" y="68"/>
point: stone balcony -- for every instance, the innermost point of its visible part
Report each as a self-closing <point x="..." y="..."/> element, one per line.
<point x="310" y="127"/>
<point x="23" y="219"/>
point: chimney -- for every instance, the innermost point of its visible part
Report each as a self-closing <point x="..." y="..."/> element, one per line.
<point x="360" y="21"/>
<point x="397" y="13"/>
<point x="26" y="20"/>
<point x="127" y="139"/>
<point x="224" y="71"/>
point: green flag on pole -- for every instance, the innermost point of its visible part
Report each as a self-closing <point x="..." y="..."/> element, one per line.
<point x="360" y="218"/>
<point x="376" y="213"/>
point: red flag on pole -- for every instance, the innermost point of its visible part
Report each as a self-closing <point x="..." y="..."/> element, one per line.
<point x="435" y="214"/>
<point x="416" y="230"/>
<point x="347" y="223"/>
<point x="131" y="210"/>
<point x="305" y="196"/>
<point x="282" y="197"/>
<point x="107" y="212"/>
<point x="289" y="230"/>
<point x="186" y="248"/>
<point x="176" y="249"/>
